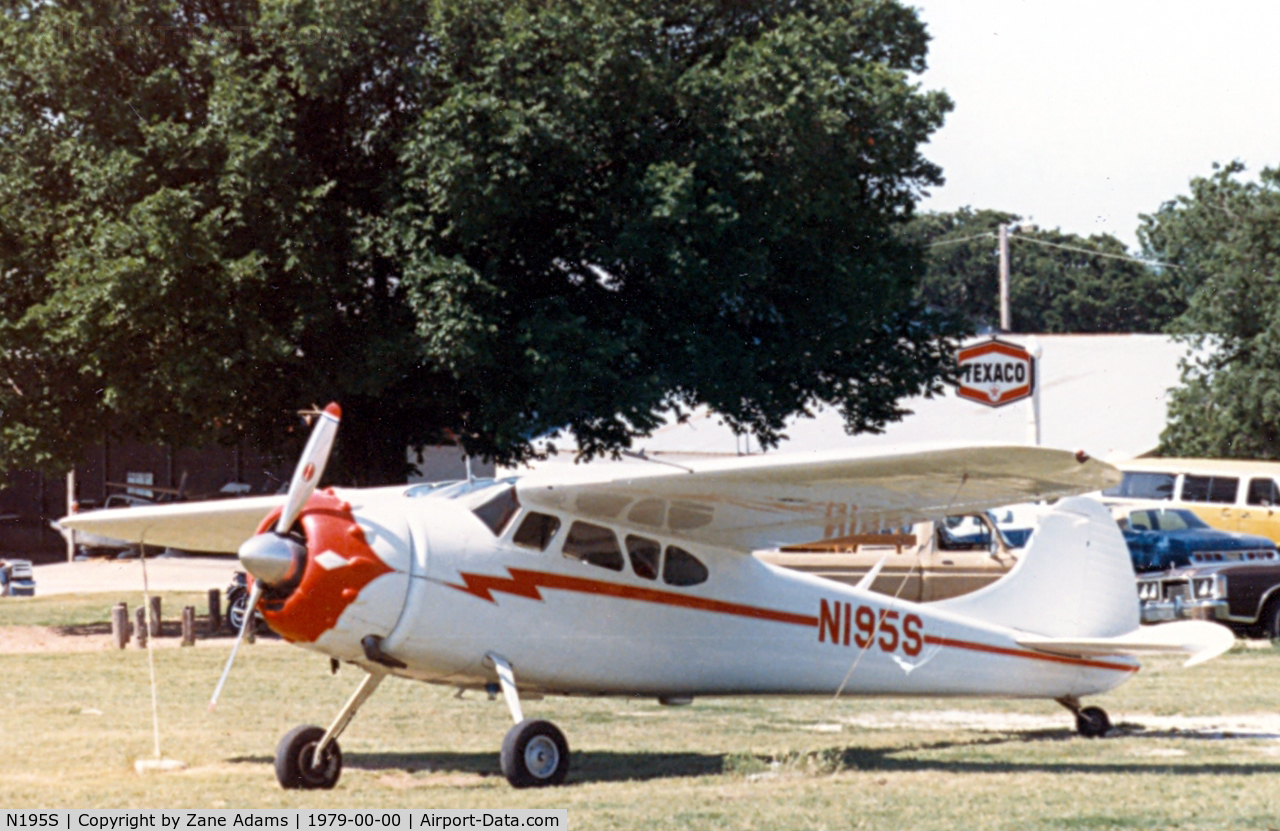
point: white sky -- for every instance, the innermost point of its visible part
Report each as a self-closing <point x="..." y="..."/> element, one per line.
<point x="1083" y="115"/>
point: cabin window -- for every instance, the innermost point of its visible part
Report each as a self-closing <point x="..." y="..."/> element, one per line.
<point x="1263" y="492"/>
<point x="536" y="530"/>
<point x="682" y="568"/>
<point x="593" y="544"/>
<point x="498" y="510"/>
<point x="1221" y="489"/>
<point x="644" y="554"/>
<point x="1137" y="485"/>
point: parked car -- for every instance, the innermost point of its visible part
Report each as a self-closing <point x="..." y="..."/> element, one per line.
<point x="936" y="560"/>
<point x="17" y="578"/>
<point x="1188" y="570"/>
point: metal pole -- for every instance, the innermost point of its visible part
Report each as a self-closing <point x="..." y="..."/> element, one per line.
<point x="1006" y="319"/>
<point x="1033" y="404"/>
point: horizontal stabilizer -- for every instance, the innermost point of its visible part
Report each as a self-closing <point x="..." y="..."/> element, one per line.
<point x="1199" y="639"/>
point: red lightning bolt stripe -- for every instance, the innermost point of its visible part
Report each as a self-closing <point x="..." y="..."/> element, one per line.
<point x="525" y="583"/>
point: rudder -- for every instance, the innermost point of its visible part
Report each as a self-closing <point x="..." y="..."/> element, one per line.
<point x="1075" y="579"/>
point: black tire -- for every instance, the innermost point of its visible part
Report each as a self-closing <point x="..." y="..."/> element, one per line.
<point x="1271" y="620"/>
<point x="235" y="614"/>
<point x="294" y="762"/>
<point x="535" y="755"/>
<point x="1092" y="722"/>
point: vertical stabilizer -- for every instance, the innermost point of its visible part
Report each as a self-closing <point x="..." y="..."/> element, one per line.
<point x="1075" y="579"/>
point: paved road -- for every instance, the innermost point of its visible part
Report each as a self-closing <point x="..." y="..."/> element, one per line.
<point x="163" y="574"/>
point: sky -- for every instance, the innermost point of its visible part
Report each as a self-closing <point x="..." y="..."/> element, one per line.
<point x="1084" y="115"/>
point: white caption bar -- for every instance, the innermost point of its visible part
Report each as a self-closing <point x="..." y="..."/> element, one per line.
<point x="292" y="819"/>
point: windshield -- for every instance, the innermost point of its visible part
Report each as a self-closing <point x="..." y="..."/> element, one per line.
<point x="1165" y="519"/>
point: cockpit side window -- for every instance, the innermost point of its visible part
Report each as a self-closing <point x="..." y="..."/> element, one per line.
<point x="645" y="554"/>
<point x="680" y="568"/>
<point x="593" y="544"/>
<point x="498" y="510"/>
<point x="536" y="530"/>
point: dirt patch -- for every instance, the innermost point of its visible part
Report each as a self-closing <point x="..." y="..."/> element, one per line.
<point x="17" y="639"/>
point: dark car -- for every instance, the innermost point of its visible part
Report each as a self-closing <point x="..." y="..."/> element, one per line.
<point x="1187" y="569"/>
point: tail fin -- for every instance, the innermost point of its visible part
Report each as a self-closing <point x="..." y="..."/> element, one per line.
<point x="1075" y="580"/>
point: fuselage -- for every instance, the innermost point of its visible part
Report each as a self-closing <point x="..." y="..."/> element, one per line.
<point x="461" y="580"/>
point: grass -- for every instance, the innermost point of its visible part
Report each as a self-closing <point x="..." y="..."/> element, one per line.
<point x="72" y="724"/>
<point x="90" y="610"/>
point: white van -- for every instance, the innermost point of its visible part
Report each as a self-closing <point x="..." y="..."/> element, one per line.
<point x="1231" y="494"/>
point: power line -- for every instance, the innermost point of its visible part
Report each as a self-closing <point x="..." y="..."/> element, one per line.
<point x="987" y="235"/>
<point x="1076" y="248"/>
<point x="1093" y="252"/>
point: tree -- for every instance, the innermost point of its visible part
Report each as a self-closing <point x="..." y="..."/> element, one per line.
<point x="1058" y="282"/>
<point x="479" y="218"/>
<point x="1224" y="239"/>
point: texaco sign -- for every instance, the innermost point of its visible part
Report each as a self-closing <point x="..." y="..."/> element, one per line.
<point x="996" y="373"/>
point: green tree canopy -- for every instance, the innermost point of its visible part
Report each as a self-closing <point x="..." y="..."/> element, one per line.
<point x="1058" y="282"/>
<point x="483" y="218"/>
<point x="1224" y="239"/>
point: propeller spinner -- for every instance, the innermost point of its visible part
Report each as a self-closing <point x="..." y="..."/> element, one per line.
<point x="275" y="557"/>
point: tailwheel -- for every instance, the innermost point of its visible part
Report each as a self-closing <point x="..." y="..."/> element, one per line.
<point x="1092" y="722"/>
<point x="296" y="765"/>
<point x="534" y="755"/>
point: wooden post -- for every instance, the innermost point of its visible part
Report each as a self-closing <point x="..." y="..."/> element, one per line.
<point x="119" y="625"/>
<point x="188" y="625"/>
<point x="140" y="627"/>
<point x="250" y="626"/>
<point x="215" y="611"/>
<point x="155" y="615"/>
<point x="71" y="509"/>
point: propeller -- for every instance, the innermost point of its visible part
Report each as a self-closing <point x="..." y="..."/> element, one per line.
<point x="275" y="558"/>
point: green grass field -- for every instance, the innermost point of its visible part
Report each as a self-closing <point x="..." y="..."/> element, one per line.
<point x="72" y="724"/>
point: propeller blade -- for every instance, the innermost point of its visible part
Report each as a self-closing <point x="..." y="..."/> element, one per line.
<point x="310" y="467"/>
<point x="255" y="594"/>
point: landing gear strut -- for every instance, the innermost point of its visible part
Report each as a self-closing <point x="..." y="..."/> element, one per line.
<point x="534" y="752"/>
<point x="308" y="757"/>
<point x="1091" y="722"/>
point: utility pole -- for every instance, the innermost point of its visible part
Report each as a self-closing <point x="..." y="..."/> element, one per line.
<point x="1006" y="322"/>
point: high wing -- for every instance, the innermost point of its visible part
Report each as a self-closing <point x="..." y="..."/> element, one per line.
<point x="217" y="526"/>
<point x="779" y="499"/>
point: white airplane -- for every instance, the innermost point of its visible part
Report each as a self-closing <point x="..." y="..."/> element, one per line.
<point x="642" y="583"/>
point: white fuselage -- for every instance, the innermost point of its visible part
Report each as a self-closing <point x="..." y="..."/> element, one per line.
<point x="457" y="593"/>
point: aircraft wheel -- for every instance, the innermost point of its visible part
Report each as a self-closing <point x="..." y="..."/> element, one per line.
<point x="1092" y="722"/>
<point x="295" y="765"/>
<point x="534" y="755"/>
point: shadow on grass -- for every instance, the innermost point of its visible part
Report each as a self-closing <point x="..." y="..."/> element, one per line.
<point x="585" y="766"/>
<point x="606" y="766"/>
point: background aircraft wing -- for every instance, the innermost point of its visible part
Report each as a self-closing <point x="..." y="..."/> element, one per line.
<point x="218" y="526"/>
<point x="756" y="502"/>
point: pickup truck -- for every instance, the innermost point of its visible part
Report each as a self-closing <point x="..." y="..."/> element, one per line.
<point x="926" y="561"/>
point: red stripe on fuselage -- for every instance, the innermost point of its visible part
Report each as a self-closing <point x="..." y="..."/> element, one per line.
<point x="526" y="583"/>
<point x="1022" y="653"/>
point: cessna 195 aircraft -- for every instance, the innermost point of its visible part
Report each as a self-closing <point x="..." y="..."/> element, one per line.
<point x="642" y="583"/>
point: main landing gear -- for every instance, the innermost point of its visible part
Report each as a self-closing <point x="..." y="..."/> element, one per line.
<point x="1091" y="722"/>
<point x="534" y="752"/>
